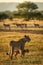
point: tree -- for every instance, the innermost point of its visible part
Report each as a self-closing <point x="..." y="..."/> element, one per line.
<point x="3" y="16"/>
<point x="25" y="8"/>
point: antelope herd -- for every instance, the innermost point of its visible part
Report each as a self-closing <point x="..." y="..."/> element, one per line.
<point x="20" y="25"/>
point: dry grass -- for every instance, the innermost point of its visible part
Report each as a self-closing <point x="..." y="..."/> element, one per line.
<point x="21" y="21"/>
<point x="16" y="20"/>
<point x="35" y="46"/>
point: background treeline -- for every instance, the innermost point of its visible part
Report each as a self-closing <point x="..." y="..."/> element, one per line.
<point x="26" y="10"/>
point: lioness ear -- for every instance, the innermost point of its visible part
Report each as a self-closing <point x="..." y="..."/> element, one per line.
<point x="25" y="36"/>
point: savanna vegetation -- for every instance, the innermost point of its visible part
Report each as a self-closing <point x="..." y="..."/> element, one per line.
<point x="27" y="11"/>
<point x="35" y="46"/>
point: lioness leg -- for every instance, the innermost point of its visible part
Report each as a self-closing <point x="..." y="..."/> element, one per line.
<point x="12" y="53"/>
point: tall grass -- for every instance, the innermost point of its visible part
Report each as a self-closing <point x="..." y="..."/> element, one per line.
<point x="35" y="46"/>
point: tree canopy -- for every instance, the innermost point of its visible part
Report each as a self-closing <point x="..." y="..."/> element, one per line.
<point x="25" y="8"/>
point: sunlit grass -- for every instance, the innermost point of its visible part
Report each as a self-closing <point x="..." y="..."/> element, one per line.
<point x="35" y="46"/>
